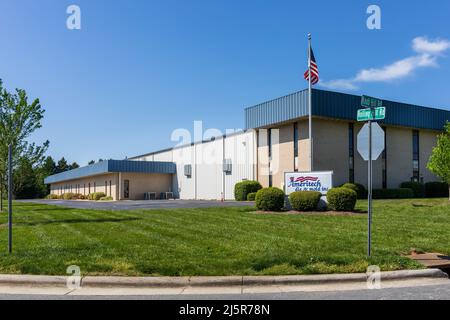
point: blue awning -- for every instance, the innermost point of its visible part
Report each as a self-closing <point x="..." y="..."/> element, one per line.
<point x="111" y="166"/>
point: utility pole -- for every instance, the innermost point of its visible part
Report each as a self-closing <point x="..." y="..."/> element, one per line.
<point x="10" y="185"/>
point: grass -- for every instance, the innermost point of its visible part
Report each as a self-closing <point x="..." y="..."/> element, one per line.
<point x="219" y="241"/>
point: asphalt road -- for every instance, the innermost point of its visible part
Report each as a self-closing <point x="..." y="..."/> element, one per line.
<point x="132" y="205"/>
<point x="429" y="292"/>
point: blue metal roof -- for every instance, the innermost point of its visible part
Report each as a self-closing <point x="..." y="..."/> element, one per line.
<point x="340" y="106"/>
<point x="111" y="166"/>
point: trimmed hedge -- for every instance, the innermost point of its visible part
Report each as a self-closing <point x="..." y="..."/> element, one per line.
<point x="305" y="200"/>
<point x="358" y="188"/>
<point x="251" y="196"/>
<point x="436" y="190"/>
<point x="68" y="196"/>
<point x="417" y="188"/>
<point x="242" y="189"/>
<point x="401" y="193"/>
<point x="270" y="199"/>
<point x="106" y="199"/>
<point x="342" y="199"/>
<point x="52" y="197"/>
<point x="96" y="196"/>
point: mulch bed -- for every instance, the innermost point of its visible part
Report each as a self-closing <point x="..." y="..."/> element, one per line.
<point x="313" y="213"/>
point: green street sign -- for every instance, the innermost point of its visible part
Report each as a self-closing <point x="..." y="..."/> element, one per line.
<point x="372" y="114"/>
<point x="369" y="102"/>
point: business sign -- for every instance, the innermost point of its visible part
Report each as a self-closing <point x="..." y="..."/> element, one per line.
<point x="308" y="181"/>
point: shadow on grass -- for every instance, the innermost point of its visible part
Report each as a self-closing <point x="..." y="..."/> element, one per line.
<point x="68" y="221"/>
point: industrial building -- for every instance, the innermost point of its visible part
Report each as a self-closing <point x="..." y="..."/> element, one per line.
<point x="275" y="141"/>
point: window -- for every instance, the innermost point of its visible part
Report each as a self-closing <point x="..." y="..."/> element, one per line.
<point x="89" y="191"/>
<point x="106" y="187"/>
<point x="416" y="159"/>
<point x="84" y="189"/>
<point x="227" y="166"/>
<point x="126" y="189"/>
<point x="270" y="180"/>
<point x="269" y="142"/>
<point x="110" y="188"/>
<point x="351" y="152"/>
<point x="384" y="158"/>
<point x="296" y="146"/>
<point x="188" y="170"/>
<point x="95" y="187"/>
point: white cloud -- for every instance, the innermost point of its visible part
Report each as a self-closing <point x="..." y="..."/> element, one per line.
<point x="423" y="45"/>
<point x="427" y="55"/>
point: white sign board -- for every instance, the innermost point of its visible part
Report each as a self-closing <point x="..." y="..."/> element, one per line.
<point x="377" y="141"/>
<point x="308" y="181"/>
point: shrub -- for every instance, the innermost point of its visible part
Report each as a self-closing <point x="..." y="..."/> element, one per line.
<point x="270" y="199"/>
<point x="417" y="188"/>
<point x="96" y="196"/>
<point x="342" y="199"/>
<point x="305" y="200"/>
<point x="106" y="199"/>
<point x="360" y="190"/>
<point x="251" y="196"/>
<point x="52" y="197"/>
<point x="242" y="189"/>
<point x="401" y="193"/>
<point x="68" y="196"/>
<point x="436" y="190"/>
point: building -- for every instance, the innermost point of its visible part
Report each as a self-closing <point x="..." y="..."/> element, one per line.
<point x="275" y="141"/>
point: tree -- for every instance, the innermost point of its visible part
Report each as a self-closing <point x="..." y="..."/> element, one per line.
<point x="439" y="162"/>
<point x="26" y="181"/>
<point x="18" y="120"/>
<point x="91" y="162"/>
<point x="74" y="165"/>
<point x="62" y="166"/>
<point x="47" y="169"/>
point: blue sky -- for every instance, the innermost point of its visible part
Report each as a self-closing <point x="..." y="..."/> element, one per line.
<point x="137" y="70"/>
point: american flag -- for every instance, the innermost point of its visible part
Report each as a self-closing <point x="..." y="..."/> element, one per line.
<point x="314" y="70"/>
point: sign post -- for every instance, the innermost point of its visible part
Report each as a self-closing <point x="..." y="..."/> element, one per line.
<point x="371" y="147"/>
<point x="10" y="184"/>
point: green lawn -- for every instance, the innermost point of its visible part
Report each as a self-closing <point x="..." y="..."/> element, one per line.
<point x="236" y="241"/>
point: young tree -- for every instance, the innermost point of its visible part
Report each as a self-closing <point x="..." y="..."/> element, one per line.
<point x="18" y="120"/>
<point x="439" y="162"/>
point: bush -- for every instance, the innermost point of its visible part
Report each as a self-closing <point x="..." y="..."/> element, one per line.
<point x="305" y="200"/>
<point x="106" y="199"/>
<point x="251" y="196"/>
<point x="270" y="199"/>
<point x="360" y="190"/>
<point x="96" y="196"/>
<point x="401" y="193"/>
<point x="417" y="188"/>
<point x="342" y="199"/>
<point x="52" y="197"/>
<point x="68" y="196"/>
<point x="436" y="190"/>
<point x="242" y="189"/>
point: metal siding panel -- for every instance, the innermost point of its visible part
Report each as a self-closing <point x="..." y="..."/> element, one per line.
<point x="341" y="106"/>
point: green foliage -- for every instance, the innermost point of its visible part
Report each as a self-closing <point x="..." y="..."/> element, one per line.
<point x="358" y="188"/>
<point x="106" y="199"/>
<point x="439" y="162"/>
<point x="436" y="190"/>
<point x="342" y="199"/>
<point x="96" y="196"/>
<point x="401" y="193"/>
<point x="305" y="200"/>
<point x="52" y="197"/>
<point x="417" y="188"/>
<point x="68" y="196"/>
<point x="251" y="196"/>
<point x="270" y="199"/>
<point x="242" y="189"/>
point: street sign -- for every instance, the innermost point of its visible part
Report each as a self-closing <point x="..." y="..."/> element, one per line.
<point x="372" y="114"/>
<point x="377" y="141"/>
<point x="370" y="102"/>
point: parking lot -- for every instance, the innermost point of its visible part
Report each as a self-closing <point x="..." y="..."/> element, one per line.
<point x="131" y="205"/>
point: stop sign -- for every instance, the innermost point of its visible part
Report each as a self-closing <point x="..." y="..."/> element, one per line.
<point x="377" y="141"/>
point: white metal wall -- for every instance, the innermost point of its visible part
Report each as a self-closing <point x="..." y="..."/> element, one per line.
<point x="208" y="181"/>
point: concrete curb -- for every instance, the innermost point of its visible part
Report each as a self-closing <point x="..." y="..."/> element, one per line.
<point x="233" y="281"/>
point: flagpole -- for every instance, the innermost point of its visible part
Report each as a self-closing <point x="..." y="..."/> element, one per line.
<point x="310" y="105"/>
